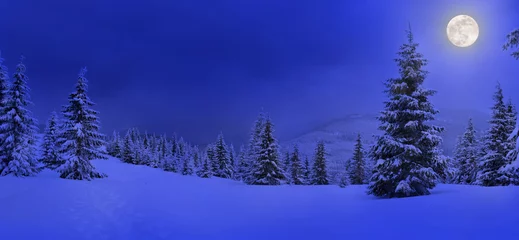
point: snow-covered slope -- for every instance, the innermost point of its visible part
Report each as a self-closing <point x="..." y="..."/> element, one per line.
<point x="138" y="202"/>
<point x="339" y="135"/>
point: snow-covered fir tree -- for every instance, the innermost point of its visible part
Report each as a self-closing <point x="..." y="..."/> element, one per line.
<point x="81" y="140"/>
<point x="511" y="116"/>
<point x="211" y="157"/>
<point x="4" y="80"/>
<point x="307" y="171"/>
<point x="232" y="157"/>
<point x="18" y="129"/>
<point x="50" y="149"/>
<point x="243" y="164"/>
<point x="253" y="148"/>
<point x="296" y="169"/>
<point x="466" y="156"/>
<point x="512" y="41"/>
<point x="154" y="153"/>
<point x="287" y="165"/>
<point x="127" y="151"/>
<point x="496" y="145"/>
<point x="187" y="164"/>
<point x="319" y="169"/>
<point x="266" y="168"/>
<point x="115" y="146"/>
<point x="406" y="152"/>
<point x="205" y="171"/>
<point x="221" y="153"/>
<point x="358" y="163"/>
<point x="196" y="158"/>
<point x="511" y="170"/>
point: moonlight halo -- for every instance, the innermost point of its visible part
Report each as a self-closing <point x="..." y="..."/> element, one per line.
<point x="462" y="31"/>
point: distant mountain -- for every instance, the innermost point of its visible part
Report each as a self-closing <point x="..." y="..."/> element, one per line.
<point x="339" y="135"/>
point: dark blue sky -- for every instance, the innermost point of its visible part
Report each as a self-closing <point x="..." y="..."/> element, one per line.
<point x="196" y="67"/>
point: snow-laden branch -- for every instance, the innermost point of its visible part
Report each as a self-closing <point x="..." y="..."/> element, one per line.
<point x="512" y="41"/>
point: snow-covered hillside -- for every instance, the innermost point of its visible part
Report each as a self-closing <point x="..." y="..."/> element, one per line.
<point x="138" y="202"/>
<point x="339" y="135"/>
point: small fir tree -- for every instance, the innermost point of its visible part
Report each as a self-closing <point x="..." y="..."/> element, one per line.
<point x="297" y="172"/>
<point x="358" y="163"/>
<point x="320" y="174"/>
<point x="50" y="154"/>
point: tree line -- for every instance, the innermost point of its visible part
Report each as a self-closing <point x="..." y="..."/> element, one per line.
<point x="405" y="160"/>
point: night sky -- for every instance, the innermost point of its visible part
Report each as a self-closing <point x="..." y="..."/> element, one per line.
<point x="198" y="67"/>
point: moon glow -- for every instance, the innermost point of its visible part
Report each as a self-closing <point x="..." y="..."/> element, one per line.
<point x="462" y="31"/>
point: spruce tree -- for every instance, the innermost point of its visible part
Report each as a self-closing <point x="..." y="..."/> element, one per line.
<point x="320" y="174"/>
<point x="232" y="158"/>
<point x="496" y="145"/>
<point x="115" y="149"/>
<point x="287" y="165"/>
<point x="187" y="167"/>
<point x="4" y="80"/>
<point x="511" y="170"/>
<point x="127" y="151"/>
<point x="307" y="171"/>
<point x="211" y="157"/>
<point x="196" y="157"/>
<point x="18" y="129"/>
<point x="406" y="152"/>
<point x="50" y="154"/>
<point x="225" y="169"/>
<point x="81" y="139"/>
<point x="296" y="169"/>
<point x="466" y="156"/>
<point x="511" y="122"/>
<point x="253" y="148"/>
<point x="266" y="169"/>
<point x="243" y="164"/>
<point x="205" y="170"/>
<point x="358" y="163"/>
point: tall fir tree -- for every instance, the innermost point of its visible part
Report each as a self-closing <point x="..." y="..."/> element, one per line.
<point x="221" y="152"/>
<point x="253" y="148"/>
<point x="81" y="140"/>
<point x="18" y="129"/>
<point x="50" y="149"/>
<point x="266" y="169"/>
<point x="357" y="173"/>
<point x="466" y="156"/>
<point x="496" y="145"/>
<point x="320" y="173"/>
<point x="296" y="169"/>
<point x="406" y="152"/>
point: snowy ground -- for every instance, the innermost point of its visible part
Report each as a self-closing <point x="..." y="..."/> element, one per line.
<point x="141" y="203"/>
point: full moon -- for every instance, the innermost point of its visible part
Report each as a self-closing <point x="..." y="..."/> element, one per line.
<point x="462" y="31"/>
